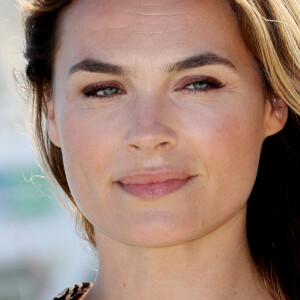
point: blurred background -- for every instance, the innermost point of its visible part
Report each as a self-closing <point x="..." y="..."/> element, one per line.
<point x="40" y="253"/>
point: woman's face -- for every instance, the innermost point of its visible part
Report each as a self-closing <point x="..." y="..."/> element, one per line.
<point x="158" y="87"/>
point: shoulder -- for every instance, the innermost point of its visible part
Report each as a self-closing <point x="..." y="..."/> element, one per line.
<point x="75" y="292"/>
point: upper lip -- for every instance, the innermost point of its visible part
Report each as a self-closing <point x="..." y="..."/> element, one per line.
<point x="146" y="177"/>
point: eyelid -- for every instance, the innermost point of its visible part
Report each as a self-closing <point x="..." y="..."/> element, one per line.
<point x="102" y="85"/>
<point x="193" y="79"/>
<point x="91" y="90"/>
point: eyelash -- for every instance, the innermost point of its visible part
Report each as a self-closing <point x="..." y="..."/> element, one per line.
<point x="91" y="91"/>
<point x="211" y="83"/>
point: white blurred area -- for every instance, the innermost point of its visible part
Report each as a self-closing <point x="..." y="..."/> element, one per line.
<point x="40" y="253"/>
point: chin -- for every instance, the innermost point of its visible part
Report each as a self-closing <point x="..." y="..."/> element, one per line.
<point x="159" y="230"/>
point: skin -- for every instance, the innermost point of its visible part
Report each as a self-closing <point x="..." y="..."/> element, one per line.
<point x="190" y="244"/>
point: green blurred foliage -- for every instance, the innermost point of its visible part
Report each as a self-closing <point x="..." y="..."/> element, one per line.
<point x="25" y="194"/>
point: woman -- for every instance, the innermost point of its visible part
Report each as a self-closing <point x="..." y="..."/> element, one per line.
<point x="157" y="115"/>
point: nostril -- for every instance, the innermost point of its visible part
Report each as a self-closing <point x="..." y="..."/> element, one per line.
<point x="134" y="146"/>
<point x="164" y="144"/>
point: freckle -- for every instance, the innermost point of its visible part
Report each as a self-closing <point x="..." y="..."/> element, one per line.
<point x="124" y="284"/>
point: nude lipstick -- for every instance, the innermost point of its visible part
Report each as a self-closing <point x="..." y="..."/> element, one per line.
<point x="154" y="185"/>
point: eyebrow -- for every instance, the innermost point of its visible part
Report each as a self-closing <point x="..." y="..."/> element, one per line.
<point x="201" y="60"/>
<point x="95" y="66"/>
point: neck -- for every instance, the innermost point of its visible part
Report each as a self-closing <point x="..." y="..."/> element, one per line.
<point x="215" y="266"/>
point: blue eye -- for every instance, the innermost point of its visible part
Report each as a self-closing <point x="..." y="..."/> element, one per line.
<point x="197" y="86"/>
<point x="203" y="85"/>
<point x="100" y="91"/>
<point x="110" y="90"/>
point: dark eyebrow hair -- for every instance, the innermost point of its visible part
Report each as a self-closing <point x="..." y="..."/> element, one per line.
<point x="199" y="61"/>
<point x="95" y="66"/>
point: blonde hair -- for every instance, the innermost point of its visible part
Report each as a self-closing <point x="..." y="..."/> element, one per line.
<point x="271" y="31"/>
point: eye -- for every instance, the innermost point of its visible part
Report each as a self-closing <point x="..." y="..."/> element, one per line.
<point x="200" y="85"/>
<point x="102" y="91"/>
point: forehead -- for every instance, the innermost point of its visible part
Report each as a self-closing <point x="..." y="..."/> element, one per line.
<point x="162" y="30"/>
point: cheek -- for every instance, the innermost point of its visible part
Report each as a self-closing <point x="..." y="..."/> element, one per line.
<point x="89" y="147"/>
<point x="235" y="152"/>
<point x="226" y="142"/>
<point x="223" y="131"/>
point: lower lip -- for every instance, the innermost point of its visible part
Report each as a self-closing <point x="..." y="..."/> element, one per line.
<point x="154" y="190"/>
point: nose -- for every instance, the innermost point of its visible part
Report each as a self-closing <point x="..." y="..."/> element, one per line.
<point x="150" y="128"/>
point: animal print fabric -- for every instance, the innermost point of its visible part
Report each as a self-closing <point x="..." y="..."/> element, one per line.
<point x="76" y="292"/>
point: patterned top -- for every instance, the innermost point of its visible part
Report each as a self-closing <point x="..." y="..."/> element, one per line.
<point x="76" y="292"/>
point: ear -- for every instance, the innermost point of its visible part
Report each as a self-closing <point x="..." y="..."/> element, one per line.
<point x="276" y="115"/>
<point x="51" y="120"/>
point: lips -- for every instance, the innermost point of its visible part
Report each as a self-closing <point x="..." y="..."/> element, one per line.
<point x="154" y="185"/>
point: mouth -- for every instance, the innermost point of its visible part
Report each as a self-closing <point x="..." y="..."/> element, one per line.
<point x="151" y="187"/>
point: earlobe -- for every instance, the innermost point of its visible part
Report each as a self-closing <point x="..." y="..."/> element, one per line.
<point x="277" y="113"/>
<point x="51" y="120"/>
